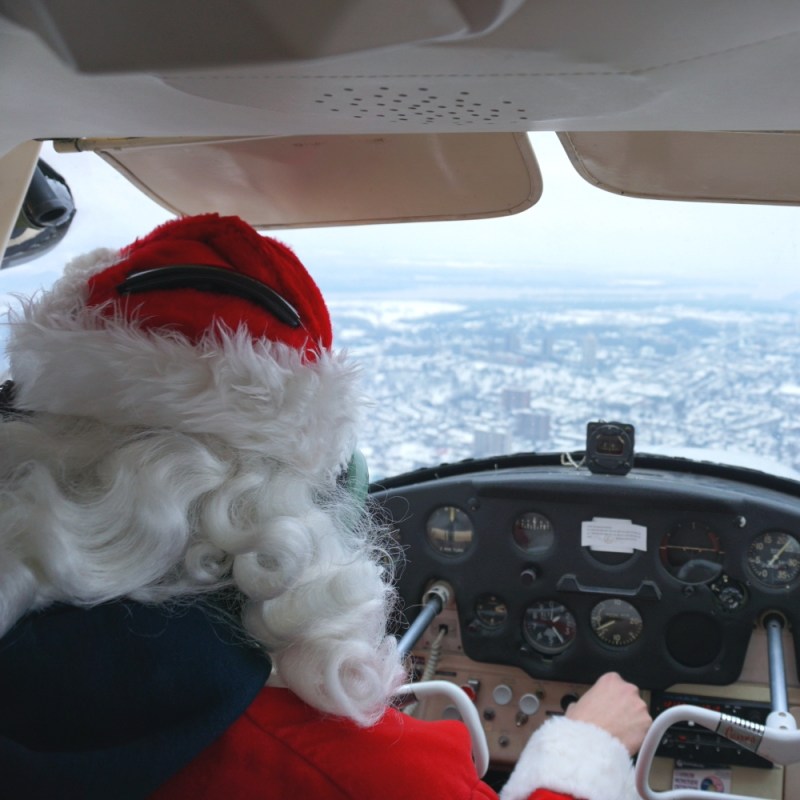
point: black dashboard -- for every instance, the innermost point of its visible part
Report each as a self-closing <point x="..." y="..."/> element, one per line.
<point x="661" y="574"/>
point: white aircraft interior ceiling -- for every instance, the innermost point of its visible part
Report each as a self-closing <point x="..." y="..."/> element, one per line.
<point x="88" y="68"/>
<point x="390" y="69"/>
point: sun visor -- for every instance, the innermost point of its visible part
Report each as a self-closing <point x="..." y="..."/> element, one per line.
<point x="309" y="181"/>
<point x="723" y="167"/>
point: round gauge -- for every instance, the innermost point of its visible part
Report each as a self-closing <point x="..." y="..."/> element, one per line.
<point x="450" y="531"/>
<point x="616" y="622"/>
<point x="491" y="611"/>
<point x="533" y="532"/>
<point x="548" y="627"/>
<point x="691" y="552"/>
<point x="774" y="558"/>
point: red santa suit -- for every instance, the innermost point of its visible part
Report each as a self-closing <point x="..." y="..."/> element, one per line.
<point x="282" y="747"/>
<point x="181" y="422"/>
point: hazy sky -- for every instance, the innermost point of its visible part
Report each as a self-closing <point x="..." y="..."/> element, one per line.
<point x="574" y="225"/>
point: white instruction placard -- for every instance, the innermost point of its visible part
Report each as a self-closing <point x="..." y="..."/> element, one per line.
<point x="704" y="780"/>
<point x="613" y="535"/>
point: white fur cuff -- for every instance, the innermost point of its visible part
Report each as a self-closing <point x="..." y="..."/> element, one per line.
<point x="576" y="758"/>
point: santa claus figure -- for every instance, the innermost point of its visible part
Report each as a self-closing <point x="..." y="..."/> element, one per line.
<point x="174" y="525"/>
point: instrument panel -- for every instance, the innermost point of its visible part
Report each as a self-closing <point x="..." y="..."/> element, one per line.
<point x="658" y="575"/>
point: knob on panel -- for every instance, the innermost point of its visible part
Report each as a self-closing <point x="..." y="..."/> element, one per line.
<point x="529" y="704"/>
<point x="567" y="700"/>
<point x="502" y="694"/>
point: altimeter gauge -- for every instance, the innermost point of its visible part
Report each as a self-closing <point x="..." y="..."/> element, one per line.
<point x="450" y="530"/>
<point x="774" y="558"/>
<point x="616" y="622"/>
<point x="549" y="627"/>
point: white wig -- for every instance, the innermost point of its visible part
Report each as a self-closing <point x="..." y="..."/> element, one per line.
<point x="155" y="468"/>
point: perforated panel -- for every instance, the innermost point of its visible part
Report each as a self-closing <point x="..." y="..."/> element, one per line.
<point x="423" y="104"/>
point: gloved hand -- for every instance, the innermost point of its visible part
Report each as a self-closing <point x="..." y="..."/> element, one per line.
<point x="587" y="752"/>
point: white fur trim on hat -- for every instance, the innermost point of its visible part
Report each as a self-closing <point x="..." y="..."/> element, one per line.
<point x="253" y="394"/>
<point x="576" y="758"/>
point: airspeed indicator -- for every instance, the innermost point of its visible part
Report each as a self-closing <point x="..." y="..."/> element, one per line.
<point x="774" y="558"/>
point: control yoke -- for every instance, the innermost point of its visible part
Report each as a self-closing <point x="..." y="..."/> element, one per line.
<point x="434" y="600"/>
<point x="778" y="740"/>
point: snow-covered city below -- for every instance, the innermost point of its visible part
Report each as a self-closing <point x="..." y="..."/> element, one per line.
<point x="456" y="366"/>
<point x="488" y="337"/>
<point x="703" y="373"/>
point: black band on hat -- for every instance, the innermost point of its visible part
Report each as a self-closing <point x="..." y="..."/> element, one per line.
<point x="207" y="278"/>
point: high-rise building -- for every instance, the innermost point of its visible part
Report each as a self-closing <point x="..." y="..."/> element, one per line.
<point x="534" y="425"/>
<point x="489" y="443"/>
<point x="515" y="399"/>
<point x="589" y="351"/>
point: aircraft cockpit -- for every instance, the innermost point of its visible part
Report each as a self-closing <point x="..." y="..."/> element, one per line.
<point x="583" y="442"/>
<point x="545" y="572"/>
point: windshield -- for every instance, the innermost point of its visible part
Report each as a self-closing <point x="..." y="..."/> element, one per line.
<point x="508" y="335"/>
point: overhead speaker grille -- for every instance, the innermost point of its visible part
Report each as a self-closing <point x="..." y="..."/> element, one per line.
<point x="422" y="104"/>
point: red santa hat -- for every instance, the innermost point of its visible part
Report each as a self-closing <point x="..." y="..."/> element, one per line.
<point x="203" y="326"/>
<point x="229" y="277"/>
